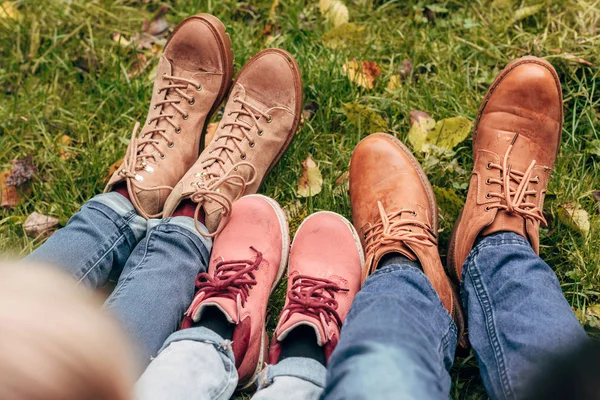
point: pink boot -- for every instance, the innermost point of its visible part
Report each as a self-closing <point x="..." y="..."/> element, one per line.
<point x="325" y="268"/>
<point x="248" y="259"/>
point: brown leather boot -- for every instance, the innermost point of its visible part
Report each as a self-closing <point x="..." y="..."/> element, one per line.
<point x="515" y="142"/>
<point x="394" y="210"/>
<point x="259" y="122"/>
<point x="194" y="75"/>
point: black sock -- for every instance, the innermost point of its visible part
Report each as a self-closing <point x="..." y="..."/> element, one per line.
<point x="302" y="342"/>
<point x="397" y="258"/>
<point x="216" y="321"/>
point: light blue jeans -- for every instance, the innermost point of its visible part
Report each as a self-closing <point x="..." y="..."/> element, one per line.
<point x="199" y="364"/>
<point x="398" y="340"/>
<point x="155" y="261"/>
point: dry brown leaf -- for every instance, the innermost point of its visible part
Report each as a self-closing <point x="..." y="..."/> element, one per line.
<point x="211" y="129"/>
<point x="362" y="73"/>
<point x="596" y="195"/>
<point x="37" y="225"/>
<point x="112" y="169"/>
<point x="311" y="180"/>
<point x="578" y="60"/>
<point x="158" y="26"/>
<point x="8" y="194"/>
<point x="22" y="172"/>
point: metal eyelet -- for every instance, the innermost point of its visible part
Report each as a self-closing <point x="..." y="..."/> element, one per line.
<point x="192" y="184"/>
<point x="192" y="101"/>
<point x="150" y="122"/>
<point x="252" y="144"/>
<point x="487" y="181"/>
<point x="269" y="119"/>
<point x="260" y="133"/>
<point x="489" y="165"/>
<point x="163" y="156"/>
<point x="534" y="195"/>
<point x="178" y="130"/>
<point x="488" y="196"/>
<point x="164" y="76"/>
<point x="171" y="145"/>
<point x="243" y="156"/>
<point x="235" y="169"/>
<point x="159" y="91"/>
<point x="155" y="107"/>
<point x="198" y="88"/>
<point x="487" y="209"/>
<point x="186" y="116"/>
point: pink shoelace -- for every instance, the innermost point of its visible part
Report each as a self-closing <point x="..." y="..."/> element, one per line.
<point x="136" y="158"/>
<point x="314" y="297"/>
<point x="515" y="198"/>
<point x="231" y="279"/>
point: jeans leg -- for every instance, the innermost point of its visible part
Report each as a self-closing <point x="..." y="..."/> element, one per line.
<point x="398" y="341"/>
<point x="194" y="363"/>
<point x="97" y="240"/>
<point x="518" y="318"/>
<point x="157" y="282"/>
<point x="295" y="378"/>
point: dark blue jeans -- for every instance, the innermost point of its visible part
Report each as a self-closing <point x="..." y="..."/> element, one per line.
<point x="398" y="340"/>
<point x="156" y="263"/>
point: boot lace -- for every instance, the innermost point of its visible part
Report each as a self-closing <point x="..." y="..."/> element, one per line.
<point x="231" y="279"/>
<point x="226" y="146"/>
<point x="136" y="158"/>
<point x="314" y="297"/>
<point x="393" y="229"/>
<point x="515" y="198"/>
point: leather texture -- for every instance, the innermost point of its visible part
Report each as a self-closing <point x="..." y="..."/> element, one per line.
<point x="194" y="74"/>
<point x="259" y="122"/>
<point x="324" y="275"/>
<point x="395" y="211"/>
<point x="516" y="138"/>
<point x="257" y="226"/>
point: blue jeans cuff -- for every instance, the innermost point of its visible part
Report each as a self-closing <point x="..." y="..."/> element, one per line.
<point x="303" y="368"/>
<point x="189" y="225"/>
<point x="125" y="210"/>
<point x="201" y="334"/>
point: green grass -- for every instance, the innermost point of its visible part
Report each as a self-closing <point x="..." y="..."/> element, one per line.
<point x="62" y="74"/>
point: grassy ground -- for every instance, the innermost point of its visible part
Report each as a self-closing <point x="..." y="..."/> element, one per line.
<point x="61" y="73"/>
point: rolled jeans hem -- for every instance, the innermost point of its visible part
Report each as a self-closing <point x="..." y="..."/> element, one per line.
<point x="306" y="369"/>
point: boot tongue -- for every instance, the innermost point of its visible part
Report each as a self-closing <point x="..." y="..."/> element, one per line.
<point x="227" y="306"/>
<point x="297" y="320"/>
<point x="506" y="221"/>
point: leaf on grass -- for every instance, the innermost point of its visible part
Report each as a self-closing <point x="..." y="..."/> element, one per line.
<point x="8" y="194"/>
<point x="578" y="60"/>
<point x="449" y="202"/>
<point x="576" y="218"/>
<point x="37" y="225"/>
<point x="8" y="10"/>
<point x="335" y="11"/>
<point x="526" y="12"/>
<point x="596" y="194"/>
<point x="138" y="66"/>
<point x="211" y="129"/>
<point x="394" y="83"/>
<point x="449" y="132"/>
<point x="64" y="142"/>
<point x="121" y="40"/>
<point x="158" y="26"/>
<point x="405" y="69"/>
<point x="363" y="117"/>
<point x="343" y="35"/>
<point x="421" y="124"/>
<point x="311" y="180"/>
<point x="343" y="178"/>
<point x="112" y="169"/>
<point x="22" y="172"/>
<point x="362" y="73"/>
<point x="273" y="10"/>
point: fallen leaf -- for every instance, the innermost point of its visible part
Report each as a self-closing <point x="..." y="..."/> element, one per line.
<point x="596" y="194"/>
<point x="112" y="169"/>
<point x="273" y="10"/>
<point x="364" y="118"/>
<point x="448" y="133"/>
<point x="138" y="65"/>
<point x="311" y="181"/>
<point x="343" y="178"/>
<point x="64" y="142"/>
<point x="362" y="73"/>
<point x="211" y="129"/>
<point x="421" y="124"/>
<point x="526" y="12"/>
<point x="271" y="30"/>
<point x="158" y="26"/>
<point x="579" y="60"/>
<point x="405" y="69"/>
<point x="8" y="194"/>
<point x="576" y="218"/>
<point x="394" y="83"/>
<point x="343" y="35"/>
<point x="121" y="40"/>
<point x="22" y="172"/>
<point x="335" y="11"/>
<point x="39" y="225"/>
<point x="8" y="10"/>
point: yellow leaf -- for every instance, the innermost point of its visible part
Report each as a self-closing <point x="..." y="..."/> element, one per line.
<point x="63" y="142"/>
<point x="8" y="10"/>
<point x="449" y="132"/>
<point x="362" y="73"/>
<point x="335" y="11"/>
<point x="343" y="35"/>
<point x="365" y="118"/>
<point x="273" y="10"/>
<point x="121" y="40"/>
<point x="421" y="124"/>
<point x="311" y="181"/>
<point x="576" y="218"/>
<point x="394" y="83"/>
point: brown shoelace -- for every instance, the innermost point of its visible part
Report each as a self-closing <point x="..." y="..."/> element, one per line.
<point x="136" y="158"/>
<point x="232" y="279"/>
<point x="227" y="145"/>
<point x="314" y="297"/>
<point x="515" y="198"/>
<point x="393" y="229"/>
